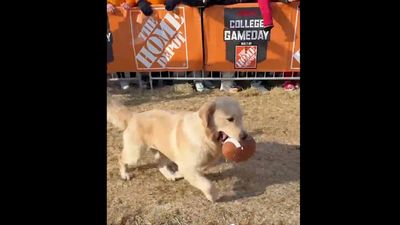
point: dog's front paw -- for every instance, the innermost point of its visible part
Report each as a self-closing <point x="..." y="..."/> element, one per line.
<point x="177" y="175"/>
<point x="212" y="195"/>
<point x="125" y="176"/>
<point x="174" y="177"/>
<point x="169" y="177"/>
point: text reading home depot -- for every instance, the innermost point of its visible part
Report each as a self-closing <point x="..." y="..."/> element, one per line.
<point x="159" y="40"/>
<point x="246" y="57"/>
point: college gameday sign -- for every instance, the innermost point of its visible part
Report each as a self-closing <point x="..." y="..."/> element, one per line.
<point x="167" y="40"/>
<point x="245" y="39"/>
<point x="236" y="40"/>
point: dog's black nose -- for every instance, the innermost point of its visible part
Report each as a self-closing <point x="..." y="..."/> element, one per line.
<point x="243" y="135"/>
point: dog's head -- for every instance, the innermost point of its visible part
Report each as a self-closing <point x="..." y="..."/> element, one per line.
<point x="222" y="118"/>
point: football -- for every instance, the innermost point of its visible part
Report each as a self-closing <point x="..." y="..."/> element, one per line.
<point x="239" y="151"/>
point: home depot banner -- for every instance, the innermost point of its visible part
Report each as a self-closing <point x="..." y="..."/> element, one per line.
<point x="295" y="60"/>
<point x="165" y="41"/>
<point x="235" y="38"/>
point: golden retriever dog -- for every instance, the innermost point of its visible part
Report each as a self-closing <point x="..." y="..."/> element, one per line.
<point x="191" y="140"/>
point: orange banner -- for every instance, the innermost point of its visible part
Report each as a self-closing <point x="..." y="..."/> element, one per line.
<point x="295" y="60"/>
<point x="164" y="41"/>
<point x="234" y="38"/>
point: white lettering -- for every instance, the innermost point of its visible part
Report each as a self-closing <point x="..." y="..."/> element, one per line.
<point x="231" y="24"/>
<point x="109" y="37"/>
<point x="145" y="57"/>
<point x="227" y="36"/>
<point x="162" y="38"/>
<point x="172" y="21"/>
<point x="245" y="35"/>
<point x="252" y="23"/>
<point x="157" y="42"/>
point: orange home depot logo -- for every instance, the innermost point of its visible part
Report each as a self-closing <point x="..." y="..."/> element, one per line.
<point x="159" y="42"/>
<point x="246" y="57"/>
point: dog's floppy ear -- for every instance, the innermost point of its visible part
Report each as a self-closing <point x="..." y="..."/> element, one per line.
<point x="206" y="113"/>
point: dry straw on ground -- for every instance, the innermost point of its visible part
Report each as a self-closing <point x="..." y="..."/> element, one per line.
<point x="263" y="190"/>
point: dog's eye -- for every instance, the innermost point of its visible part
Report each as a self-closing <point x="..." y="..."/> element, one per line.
<point x="230" y="119"/>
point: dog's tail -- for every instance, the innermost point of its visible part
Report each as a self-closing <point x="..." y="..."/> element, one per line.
<point x="117" y="114"/>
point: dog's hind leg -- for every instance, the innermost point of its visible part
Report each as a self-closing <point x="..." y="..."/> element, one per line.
<point x="131" y="153"/>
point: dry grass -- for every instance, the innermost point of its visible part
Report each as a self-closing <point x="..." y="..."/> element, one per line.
<point x="263" y="190"/>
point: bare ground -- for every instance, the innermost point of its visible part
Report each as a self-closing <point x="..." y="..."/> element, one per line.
<point x="263" y="190"/>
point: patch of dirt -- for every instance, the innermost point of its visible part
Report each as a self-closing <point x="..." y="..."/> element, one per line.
<point x="263" y="190"/>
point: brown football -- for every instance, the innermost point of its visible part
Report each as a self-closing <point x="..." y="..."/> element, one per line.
<point x="239" y="151"/>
